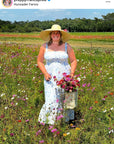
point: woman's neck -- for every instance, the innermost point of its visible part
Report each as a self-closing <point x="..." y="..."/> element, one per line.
<point x="55" y="43"/>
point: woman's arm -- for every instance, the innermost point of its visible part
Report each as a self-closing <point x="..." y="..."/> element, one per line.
<point x="72" y="58"/>
<point x="40" y="63"/>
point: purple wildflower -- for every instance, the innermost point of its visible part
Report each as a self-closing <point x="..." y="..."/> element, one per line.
<point x="84" y="85"/>
<point x="37" y="133"/>
<point x="90" y="107"/>
<point x="53" y="130"/>
<point x="42" y="141"/>
<point x="11" y="134"/>
<point x="59" y="117"/>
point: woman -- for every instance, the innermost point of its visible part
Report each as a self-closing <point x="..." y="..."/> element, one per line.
<point x="7" y="2"/>
<point x="56" y="53"/>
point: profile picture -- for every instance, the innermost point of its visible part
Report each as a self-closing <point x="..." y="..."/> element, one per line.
<point x="7" y="3"/>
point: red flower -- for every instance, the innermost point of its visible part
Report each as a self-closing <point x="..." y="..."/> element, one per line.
<point x="11" y="134"/>
<point x="2" y="116"/>
<point x="105" y="96"/>
<point x="96" y="102"/>
<point x="111" y="93"/>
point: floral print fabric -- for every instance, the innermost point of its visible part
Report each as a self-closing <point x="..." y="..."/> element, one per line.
<point x="56" y="65"/>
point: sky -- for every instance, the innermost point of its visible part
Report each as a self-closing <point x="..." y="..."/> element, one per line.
<point x="51" y="14"/>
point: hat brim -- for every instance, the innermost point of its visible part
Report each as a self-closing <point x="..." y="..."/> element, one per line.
<point x="45" y="35"/>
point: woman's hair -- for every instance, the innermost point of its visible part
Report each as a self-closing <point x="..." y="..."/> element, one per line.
<point x="50" y="41"/>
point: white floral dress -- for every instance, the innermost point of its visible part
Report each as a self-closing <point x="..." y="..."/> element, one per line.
<point x="56" y="65"/>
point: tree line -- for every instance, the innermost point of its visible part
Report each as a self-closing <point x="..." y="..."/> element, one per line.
<point x="105" y="24"/>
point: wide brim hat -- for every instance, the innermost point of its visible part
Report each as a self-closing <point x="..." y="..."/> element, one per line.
<point x="45" y="34"/>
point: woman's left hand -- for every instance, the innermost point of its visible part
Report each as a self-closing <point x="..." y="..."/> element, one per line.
<point x="71" y="74"/>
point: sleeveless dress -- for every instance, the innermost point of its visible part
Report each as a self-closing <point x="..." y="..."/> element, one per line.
<point x="56" y="65"/>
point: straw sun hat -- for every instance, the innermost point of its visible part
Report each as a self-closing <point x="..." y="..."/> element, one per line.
<point x="45" y="34"/>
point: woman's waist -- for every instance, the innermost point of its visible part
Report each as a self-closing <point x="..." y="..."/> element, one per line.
<point x="55" y="64"/>
<point x="54" y="67"/>
<point x="62" y="62"/>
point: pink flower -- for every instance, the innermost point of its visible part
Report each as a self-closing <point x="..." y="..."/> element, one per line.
<point x="90" y="107"/>
<point x="54" y="77"/>
<point x="59" y="117"/>
<point x="93" y="89"/>
<point x="14" y="95"/>
<point x="53" y="130"/>
<point x="65" y="30"/>
<point x="11" y="134"/>
<point x="2" y="116"/>
<point x="37" y="133"/>
<point x="84" y="85"/>
<point x="50" y="127"/>
<point x="64" y="74"/>
<point x="12" y="103"/>
<point x="103" y="99"/>
<point x="58" y="132"/>
<point x="88" y="85"/>
<point x="42" y="123"/>
<point x="64" y="101"/>
<point x="27" y="120"/>
<point x="42" y="141"/>
<point x="63" y="86"/>
<point x="57" y="100"/>
<point x="60" y="109"/>
<point x="74" y="83"/>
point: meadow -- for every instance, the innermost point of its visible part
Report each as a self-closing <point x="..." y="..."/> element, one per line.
<point x="22" y="92"/>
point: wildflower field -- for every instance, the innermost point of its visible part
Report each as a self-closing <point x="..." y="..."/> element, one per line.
<point x="22" y="93"/>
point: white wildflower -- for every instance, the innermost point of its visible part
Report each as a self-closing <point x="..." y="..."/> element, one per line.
<point x="28" y="134"/>
<point x="84" y="76"/>
<point x="111" y="131"/>
<point x="111" y="108"/>
<point x="77" y="60"/>
<point x="6" y="107"/>
<point x="26" y="98"/>
<point x="68" y="133"/>
<point x="104" y="111"/>
<point x="33" y="78"/>
<point x="2" y="94"/>
<point x="83" y="67"/>
<point x="16" y="104"/>
<point x="78" y="79"/>
<point x="12" y="98"/>
<point x="110" y="77"/>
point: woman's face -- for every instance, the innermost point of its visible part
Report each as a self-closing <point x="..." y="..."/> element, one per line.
<point x="7" y="1"/>
<point x="55" y="35"/>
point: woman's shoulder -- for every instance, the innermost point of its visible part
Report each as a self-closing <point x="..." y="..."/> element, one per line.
<point x="44" y="45"/>
<point x="68" y="45"/>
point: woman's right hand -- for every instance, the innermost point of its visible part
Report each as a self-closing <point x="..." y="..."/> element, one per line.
<point x="47" y="76"/>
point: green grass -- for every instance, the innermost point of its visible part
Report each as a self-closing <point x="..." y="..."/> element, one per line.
<point x="93" y="33"/>
<point x="72" y="33"/>
<point x="22" y="96"/>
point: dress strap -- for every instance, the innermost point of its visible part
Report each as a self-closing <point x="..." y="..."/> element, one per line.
<point x="66" y="47"/>
<point x="46" y="46"/>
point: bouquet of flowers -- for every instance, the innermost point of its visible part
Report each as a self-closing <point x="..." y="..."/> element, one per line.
<point x="68" y="83"/>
